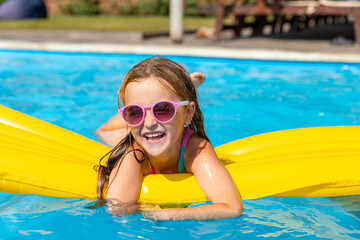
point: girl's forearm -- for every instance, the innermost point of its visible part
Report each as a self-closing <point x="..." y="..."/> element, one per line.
<point x="205" y="212"/>
<point x="110" y="138"/>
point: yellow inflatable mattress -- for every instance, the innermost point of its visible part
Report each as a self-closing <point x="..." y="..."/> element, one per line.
<point x="40" y="158"/>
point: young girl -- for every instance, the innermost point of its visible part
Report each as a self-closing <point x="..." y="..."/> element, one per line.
<point x="159" y="98"/>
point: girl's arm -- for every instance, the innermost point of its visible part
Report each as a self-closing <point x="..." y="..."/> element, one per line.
<point x="112" y="131"/>
<point x="216" y="183"/>
<point x="124" y="186"/>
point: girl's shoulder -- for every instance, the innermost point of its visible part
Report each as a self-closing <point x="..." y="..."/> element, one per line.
<point x="195" y="142"/>
<point x="197" y="148"/>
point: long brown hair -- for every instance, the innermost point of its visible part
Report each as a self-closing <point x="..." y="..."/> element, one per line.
<point x="172" y="76"/>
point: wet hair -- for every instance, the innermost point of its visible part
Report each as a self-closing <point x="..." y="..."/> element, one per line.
<point x="174" y="78"/>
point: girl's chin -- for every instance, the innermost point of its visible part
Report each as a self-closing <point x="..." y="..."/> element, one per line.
<point x="153" y="152"/>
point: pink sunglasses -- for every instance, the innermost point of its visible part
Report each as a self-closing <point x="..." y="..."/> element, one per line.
<point x="163" y="111"/>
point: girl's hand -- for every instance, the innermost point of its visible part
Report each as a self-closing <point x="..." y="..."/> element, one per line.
<point x="156" y="215"/>
<point x="206" y="212"/>
<point x="175" y="214"/>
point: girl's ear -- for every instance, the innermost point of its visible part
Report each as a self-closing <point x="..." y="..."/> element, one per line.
<point x="190" y="111"/>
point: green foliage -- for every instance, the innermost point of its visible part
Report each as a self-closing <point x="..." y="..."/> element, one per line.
<point x="81" y="7"/>
<point x="1" y="1"/>
<point x="128" y="8"/>
<point x="162" y="7"/>
<point x="146" y="7"/>
<point x="155" y="7"/>
<point x="191" y="8"/>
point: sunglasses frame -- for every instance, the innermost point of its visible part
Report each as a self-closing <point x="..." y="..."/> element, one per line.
<point x="175" y="104"/>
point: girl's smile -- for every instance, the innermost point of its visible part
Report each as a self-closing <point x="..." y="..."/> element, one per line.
<point x="154" y="137"/>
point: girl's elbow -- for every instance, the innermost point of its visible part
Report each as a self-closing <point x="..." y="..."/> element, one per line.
<point x="240" y="210"/>
<point x="98" y="132"/>
<point x="236" y="211"/>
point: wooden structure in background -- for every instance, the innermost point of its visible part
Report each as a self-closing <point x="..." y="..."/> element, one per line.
<point x="280" y="9"/>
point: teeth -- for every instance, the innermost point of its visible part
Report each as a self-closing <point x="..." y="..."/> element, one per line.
<point x="151" y="140"/>
<point x="150" y="135"/>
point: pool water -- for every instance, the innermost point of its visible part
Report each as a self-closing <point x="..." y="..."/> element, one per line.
<point x="240" y="98"/>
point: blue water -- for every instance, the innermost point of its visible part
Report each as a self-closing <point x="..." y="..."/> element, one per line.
<point x="240" y="98"/>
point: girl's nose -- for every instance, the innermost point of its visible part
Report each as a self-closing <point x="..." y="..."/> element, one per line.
<point x="149" y="120"/>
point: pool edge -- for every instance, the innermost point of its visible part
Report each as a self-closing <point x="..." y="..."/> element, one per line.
<point x="198" y="51"/>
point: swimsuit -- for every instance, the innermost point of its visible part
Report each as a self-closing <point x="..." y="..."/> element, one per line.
<point x="181" y="162"/>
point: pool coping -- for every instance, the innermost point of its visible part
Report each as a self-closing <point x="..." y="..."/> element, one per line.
<point x="182" y="50"/>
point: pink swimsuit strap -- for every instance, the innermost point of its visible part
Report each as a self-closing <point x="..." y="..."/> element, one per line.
<point x="151" y="168"/>
<point x="188" y="133"/>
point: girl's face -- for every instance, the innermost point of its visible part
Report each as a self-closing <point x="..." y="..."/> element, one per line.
<point x="157" y="139"/>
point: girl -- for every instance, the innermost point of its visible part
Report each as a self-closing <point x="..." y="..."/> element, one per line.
<point x="159" y="99"/>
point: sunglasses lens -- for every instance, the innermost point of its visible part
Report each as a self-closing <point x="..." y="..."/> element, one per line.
<point x="164" y="111"/>
<point x="133" y="114"/>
